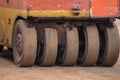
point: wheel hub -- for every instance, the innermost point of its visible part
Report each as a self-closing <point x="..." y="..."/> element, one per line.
<point x="19" y="43"/>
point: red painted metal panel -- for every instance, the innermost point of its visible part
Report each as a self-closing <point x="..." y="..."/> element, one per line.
<point x="119" y="4"/>
<point x="3" y="3"/>
<point x="19" y="4"/>
<point x="58" y="4"/>
<point x="99" y="8"/>
<point x="104" y="8"/>
<point x="15" y="4"/>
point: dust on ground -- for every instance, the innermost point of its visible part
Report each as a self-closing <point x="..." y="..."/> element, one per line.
<point x="8" y="71"/>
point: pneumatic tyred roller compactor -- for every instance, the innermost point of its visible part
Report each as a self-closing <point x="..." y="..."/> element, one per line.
<point x="62" y="32"/>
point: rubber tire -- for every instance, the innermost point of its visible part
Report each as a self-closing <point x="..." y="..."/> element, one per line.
<point x="91" y="49"/>
<point x="49" y="51"/>
<point x="111" y="52"/>
<point x="71" y="48"/>
<point x="29" y="47"/>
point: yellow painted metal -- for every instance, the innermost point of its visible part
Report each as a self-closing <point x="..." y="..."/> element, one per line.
<point x="7" y="21"/>
<point x="58" y="13"/>
<point x="8" y="17"/>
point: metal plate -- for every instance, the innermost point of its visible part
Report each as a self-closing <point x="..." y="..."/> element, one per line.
<point x="104" y="8"/>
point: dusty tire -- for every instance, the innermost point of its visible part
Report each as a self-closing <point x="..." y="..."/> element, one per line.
<point x="68" y="57"/>
<point x="89" y="50"/>
<point x="24" y="44"/>
<point x="48" y="48"/>
<point x="109" y="50"/>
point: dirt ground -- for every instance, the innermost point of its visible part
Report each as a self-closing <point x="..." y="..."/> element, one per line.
<point x="8" y="71"/>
